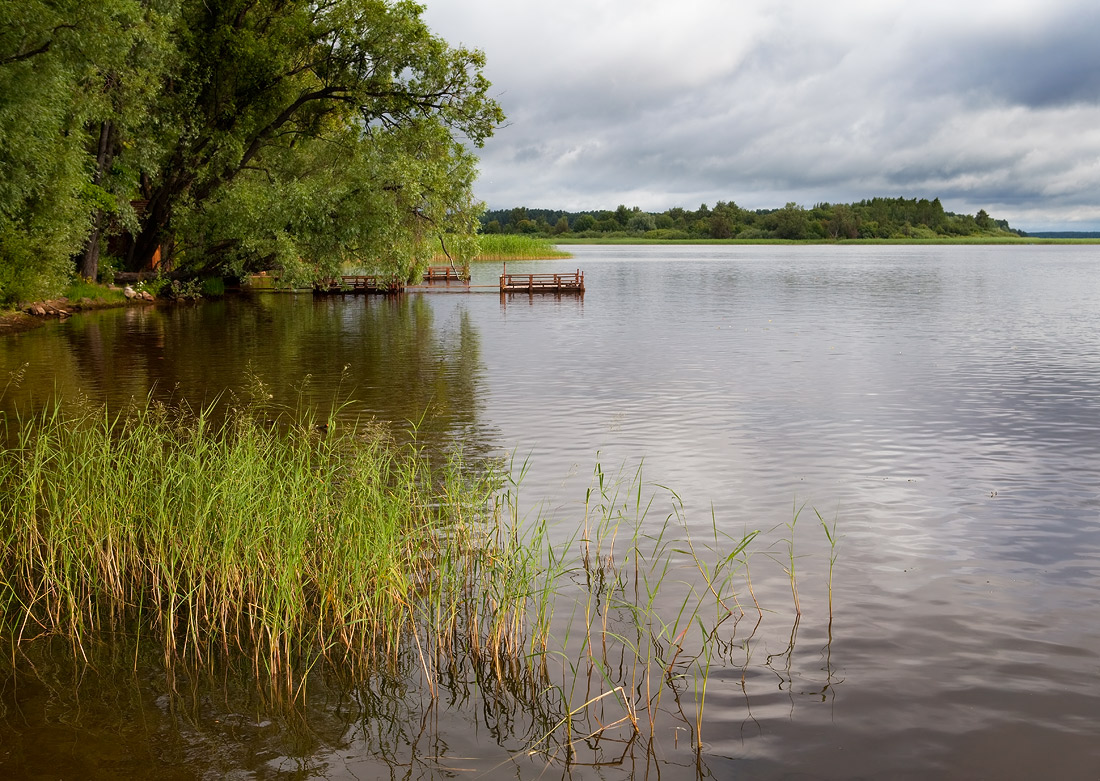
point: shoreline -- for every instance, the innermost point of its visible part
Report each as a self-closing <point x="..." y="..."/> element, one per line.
<point x="32" y="315"/>
<point x="38" y="313"/>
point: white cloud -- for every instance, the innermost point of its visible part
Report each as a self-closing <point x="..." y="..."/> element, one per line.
<point x="986" y="104"/>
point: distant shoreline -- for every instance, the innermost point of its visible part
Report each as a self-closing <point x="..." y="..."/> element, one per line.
<point x="973" y="240"/>
<point x="1064" y="235"/>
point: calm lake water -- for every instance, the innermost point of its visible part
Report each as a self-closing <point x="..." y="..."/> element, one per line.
<point x="942" y="404"/>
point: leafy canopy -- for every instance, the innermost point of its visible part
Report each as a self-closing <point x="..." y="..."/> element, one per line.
<point x="249" y="133"/>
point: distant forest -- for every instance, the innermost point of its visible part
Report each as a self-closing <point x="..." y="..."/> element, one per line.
<point x="877" y="218"/>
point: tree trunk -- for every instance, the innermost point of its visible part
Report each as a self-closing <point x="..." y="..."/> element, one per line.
<point x="153" y="224"/>
<point x="89" y="264"/>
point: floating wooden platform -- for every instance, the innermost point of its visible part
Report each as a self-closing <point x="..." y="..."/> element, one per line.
<point x="542" y="283"/>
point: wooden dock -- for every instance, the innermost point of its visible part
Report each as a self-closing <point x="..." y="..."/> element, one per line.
<point x="542" y="283"/>
<point x="446" y="274"/>
<point x="545" y="282"/>
<point x="361" y="283"/>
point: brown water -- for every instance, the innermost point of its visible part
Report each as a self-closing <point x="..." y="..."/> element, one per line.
<point x="942" y="403"/>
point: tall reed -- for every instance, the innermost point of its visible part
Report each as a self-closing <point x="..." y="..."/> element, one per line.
<point x="830" y="535"/>
<point x="281" y="543"/>
<point x="283" y="547"/>
<point x="510" y="246"/>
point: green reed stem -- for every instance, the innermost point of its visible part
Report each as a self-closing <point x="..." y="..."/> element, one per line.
<point x="240" y="537"/>
<point x="505" y="246"/>
<point x="295" y="544"/>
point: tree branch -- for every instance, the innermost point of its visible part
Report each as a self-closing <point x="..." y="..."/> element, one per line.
<point x="40" y="50"/>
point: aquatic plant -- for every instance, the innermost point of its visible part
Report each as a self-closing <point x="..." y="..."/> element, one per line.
<point x="213" y="287"/>
<point x="278" y="542"/>
<point x="508" y="246"/>
<point x="830" y="535"/>
<point x="292" y="545"/>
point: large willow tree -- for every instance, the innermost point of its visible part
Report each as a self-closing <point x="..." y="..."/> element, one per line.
<point x="251" y="133"/>
<point x="69" y="69"/>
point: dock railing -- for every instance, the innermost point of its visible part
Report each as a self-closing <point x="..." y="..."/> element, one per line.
<point x="362" y="283"/>
<point x="542" y="283"/>
<point x="446" y="274"/>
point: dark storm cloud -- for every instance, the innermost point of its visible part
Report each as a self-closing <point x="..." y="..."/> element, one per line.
<point x="985" y="105"/>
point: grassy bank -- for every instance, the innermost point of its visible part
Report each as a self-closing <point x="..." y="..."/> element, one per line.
<point x="78" y="296"/>
<point x="94" y="294"/>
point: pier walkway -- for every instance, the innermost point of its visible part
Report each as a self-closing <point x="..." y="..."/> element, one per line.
<point x="542" y="283"/>
<point x="446" y="279"/>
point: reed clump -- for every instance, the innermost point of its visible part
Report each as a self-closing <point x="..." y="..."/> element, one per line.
<point x="290" y="545"/>
<point x="510" y="246"/>
<point x="287" y="543"/>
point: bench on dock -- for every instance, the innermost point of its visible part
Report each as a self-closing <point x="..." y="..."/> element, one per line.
<point x="362" y="283"/>
<point x="542" y="283"/>
<point x="446" y="274"/>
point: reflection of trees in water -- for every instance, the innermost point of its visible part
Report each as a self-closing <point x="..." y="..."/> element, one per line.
<point x="383" y="357"/>
<point x="116" y="354"/>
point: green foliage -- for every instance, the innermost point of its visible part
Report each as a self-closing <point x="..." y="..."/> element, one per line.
<point x="309" y="135"/>
<point x="69" y="71"/>
<point x="180" y="290"/>
<point x="583" y="222"/>
<point x="878" y="218"/>
<point x="156" y="286"/>
<point x="79" y="289"/>
<point x="513" y="247"/>
<point x="271" y="134"/>
<point x="641" y="222"/>
<point x="213" y="287"/>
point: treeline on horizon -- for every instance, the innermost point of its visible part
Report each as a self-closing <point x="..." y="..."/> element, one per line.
<point x="877" y="218"/>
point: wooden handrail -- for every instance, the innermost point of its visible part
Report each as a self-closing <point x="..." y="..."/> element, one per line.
<point x="542" y="281"/>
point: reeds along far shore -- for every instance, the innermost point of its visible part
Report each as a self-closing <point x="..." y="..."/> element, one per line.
<point x="505" y="246"/>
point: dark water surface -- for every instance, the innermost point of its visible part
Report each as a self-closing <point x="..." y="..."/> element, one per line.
<point x="941" y="403"/>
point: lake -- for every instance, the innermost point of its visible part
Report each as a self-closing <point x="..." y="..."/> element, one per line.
<point x="941" y="404"/>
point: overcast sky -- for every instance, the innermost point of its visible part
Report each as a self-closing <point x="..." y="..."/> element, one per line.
<point x="990" y="104"/>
